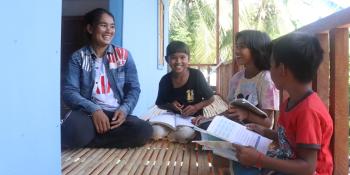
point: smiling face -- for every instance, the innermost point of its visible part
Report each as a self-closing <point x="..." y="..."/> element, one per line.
<point x="243" y="54"/>
<point x="103" y="31"/>
<point x="178" y="62"/>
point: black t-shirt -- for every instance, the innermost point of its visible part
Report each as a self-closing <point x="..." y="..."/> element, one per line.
<point x="195" y="90"/>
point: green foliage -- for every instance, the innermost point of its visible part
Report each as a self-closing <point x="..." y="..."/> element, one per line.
<point x="194" y="21"/>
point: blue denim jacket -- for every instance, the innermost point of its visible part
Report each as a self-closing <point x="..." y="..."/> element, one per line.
<point x="80" y="76"/>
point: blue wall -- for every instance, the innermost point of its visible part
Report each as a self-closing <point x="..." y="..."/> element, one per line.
<point x="30" y="75"/>
<point x="140" y="25"/>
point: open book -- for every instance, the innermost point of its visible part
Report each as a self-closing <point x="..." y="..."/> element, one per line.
<point x="223" y="131"/>
<point x="171" y="120"/>
<point x="243" y="103"/>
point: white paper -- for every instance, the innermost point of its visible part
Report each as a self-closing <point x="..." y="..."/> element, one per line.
<point x="233" y="132"/>
<point x="172" y="120"/>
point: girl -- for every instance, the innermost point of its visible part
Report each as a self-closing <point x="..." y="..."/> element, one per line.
<point x="101" y="87"/>
<point x="253" y="82"/>
<point x="183" y="90"/>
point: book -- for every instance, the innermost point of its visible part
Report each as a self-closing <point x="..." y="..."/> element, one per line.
<point x="223" y="132"/>
<point x="243" y="103"/>
<point x="171" y="120"/>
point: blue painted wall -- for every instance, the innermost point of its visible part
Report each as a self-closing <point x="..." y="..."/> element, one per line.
<point x="140" y="27"/>
<point x="30" y="35"/>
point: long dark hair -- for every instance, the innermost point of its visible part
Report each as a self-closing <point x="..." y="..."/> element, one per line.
<point x="259" y="45"/>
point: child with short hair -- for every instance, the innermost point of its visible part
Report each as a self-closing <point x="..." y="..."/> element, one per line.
<point x="304" y="127"/>
<point x="184" y="90"/>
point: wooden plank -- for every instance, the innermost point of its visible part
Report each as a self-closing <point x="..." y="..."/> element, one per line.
<point x="116" y="169"/>
<point x="338" y="19"/>
<point x="171" y="167"/>
<point x="186" y="160"/>
<point x="75" y="155"/>
<point x="166" y="160"/>
<point x="321" y="82"/>
<point x="203" y="166"/>
<point x="106" y="161"/>
<point x="160" y="159"/>
<point x="77" y="162"/>
<point x="145" y="160"/>
<point x="339" y="106"/>
<point x="97" y="153"/>
<point x="107" y="167"/>
<point x="178" y="161"/>
<point x="99" y="161"/>
<point x="193" y="160"/>
<point x="156" y="149"/>
<point x="138" y="161"/>
<point x="131" y="162"/>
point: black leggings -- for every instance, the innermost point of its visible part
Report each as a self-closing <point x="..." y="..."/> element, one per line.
<point x="78" y="130"/>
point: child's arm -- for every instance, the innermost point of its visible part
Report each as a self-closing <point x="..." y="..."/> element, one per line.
<point x="304" y="164"/>
<point x="192" y="109"/>
<point x="271" y="134"/>
<point x="241" y="114"/>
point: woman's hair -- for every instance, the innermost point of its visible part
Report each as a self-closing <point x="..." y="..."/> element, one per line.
<point x="176" y="46"/>
<point x="93" y="17"/>
<point x="258" y="43"/>
<point x="300" y="52"/>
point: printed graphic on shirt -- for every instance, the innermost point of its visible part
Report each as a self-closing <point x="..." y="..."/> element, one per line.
<point x="102" y="93"/>
<point x="190" y="95"/>
<point x="248" y="90"/>
<point x="118" y="58"/>
<point x="284" y="151"/>
<point x="86" y="65"/>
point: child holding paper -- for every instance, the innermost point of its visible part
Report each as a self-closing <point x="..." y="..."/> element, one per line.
<point x="183" y="91"/>
<point x="304" y="127"/>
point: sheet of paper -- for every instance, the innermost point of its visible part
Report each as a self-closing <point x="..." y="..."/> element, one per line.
<point x="183" y="120"/>
<point x="221" y="148"/>
<point x="167" y="119"/>
<point x="233" y="132"/>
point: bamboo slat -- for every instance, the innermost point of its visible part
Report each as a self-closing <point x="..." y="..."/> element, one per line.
<point x="160" y="157"/>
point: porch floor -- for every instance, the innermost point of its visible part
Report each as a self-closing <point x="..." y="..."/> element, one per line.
<point x="156" y="157"/>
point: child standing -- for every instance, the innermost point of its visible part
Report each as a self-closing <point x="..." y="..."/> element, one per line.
<point x="253" y="82"/>
<point x="305" y="127"/>
<point x="183" y="90"/>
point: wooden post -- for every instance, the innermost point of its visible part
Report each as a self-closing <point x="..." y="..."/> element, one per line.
<point x="321" y="81"/>
<point x="338" y="100"/>
<point x="217" y="49"/>
<point x="235" y="28"/>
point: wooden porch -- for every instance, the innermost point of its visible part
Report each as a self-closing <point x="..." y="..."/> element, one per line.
<point x="163" y="157"/>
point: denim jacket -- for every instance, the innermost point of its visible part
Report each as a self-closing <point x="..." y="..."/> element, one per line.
<point x="121" y="73"/>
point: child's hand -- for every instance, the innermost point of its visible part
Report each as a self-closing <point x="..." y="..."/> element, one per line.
<point x="256" y="128"/>
<point x="197" y="120"/>
<point x="247" y="156"/>
<point x="189" y="110"/>
<point x="238" y="114"/>
<point x="177" y="106"/>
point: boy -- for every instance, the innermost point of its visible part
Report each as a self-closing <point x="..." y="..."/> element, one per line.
<point x="304" y="127"/>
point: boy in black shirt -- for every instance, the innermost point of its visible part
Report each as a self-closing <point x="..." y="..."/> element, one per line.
<point x="183" y="90"/>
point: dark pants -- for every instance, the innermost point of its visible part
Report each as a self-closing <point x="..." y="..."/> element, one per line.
<point x="78" y="130"/>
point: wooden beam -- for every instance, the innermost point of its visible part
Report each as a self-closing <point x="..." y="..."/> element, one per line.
<point x="336" y="20"/>
<point x="217" y="48"/>
<point x="338" y="104"/>
<point x="235" y="28"/>
<point x="321" y="81"/>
